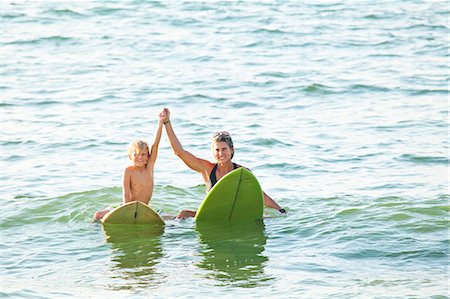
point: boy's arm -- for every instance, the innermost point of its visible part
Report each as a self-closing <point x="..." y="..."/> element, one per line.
<point x="126" y="186"/>
<point x="156" y="140"/>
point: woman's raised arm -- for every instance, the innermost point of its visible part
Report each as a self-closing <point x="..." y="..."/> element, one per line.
<point x="189" y="159"/>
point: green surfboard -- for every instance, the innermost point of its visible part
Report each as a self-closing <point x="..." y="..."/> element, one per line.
<point x="237" y="197"/>
<point x="134" y="212"/>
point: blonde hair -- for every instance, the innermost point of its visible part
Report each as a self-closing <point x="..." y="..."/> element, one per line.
<point x="138" y="146"/>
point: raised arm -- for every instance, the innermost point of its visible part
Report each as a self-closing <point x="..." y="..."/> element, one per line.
<point x="189" y="159"/>
<point x="157" y="138"/>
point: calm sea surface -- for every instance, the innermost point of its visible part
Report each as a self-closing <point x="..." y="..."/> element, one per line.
<point x="340" y="108"/>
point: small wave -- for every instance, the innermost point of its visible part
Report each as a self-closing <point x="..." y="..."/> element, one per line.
<point x="430" y="211"/>
<point x="419" y="253"/>
<point x="269" y="31"/>
<point x="266" y="83"/>
<point x="390" y="201"/>
<point x="195" y="6"/>
<point x="296" y="107"/>
<point x="349" y="211"/>
<point x="375" y="17"/>
<point x="14" y="158"/>
<point x="56" y="39"/>
<point x="423" y="159"/>
<point x="363" y="88"/>
<point x="201" y="58"/>
<point x="384" y="55"/>
<point x="93" y="100"/>
<point x="404" y="254"/>
<point x="243" y="104"/>
<point x="285" y="167"/>
<point x="410" y="215"/>
<point x="43" y="102"/>
<point x="64" y="12"/>
<point x="418" y="92"/>
<point x="318" y="88"/>
<point x="104" y="11"/>
<point x="274" y="74"/>
<point x="13" y="16"/>
<point x="3" y="104"/>
<point x="429" y="27"/>
<point x="198" y="98"/>
<point x="27" y="143"/>
<point x="176" y="191"/>
<point x="341" y="160"/>
<point x="268" y="142"/>
<point x="73" y="207"/>
<point x="391" y="186"/>
<point x="257" y="44"/>
<point x="184" y="22"/>
<point x="399" y="217"/>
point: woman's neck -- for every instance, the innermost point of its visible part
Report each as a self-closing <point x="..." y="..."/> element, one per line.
<point x="224" y="168"/>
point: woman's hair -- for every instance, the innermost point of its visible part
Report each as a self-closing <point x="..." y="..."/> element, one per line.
<point x="138" y="146"/>
<point x="224" y="137"/>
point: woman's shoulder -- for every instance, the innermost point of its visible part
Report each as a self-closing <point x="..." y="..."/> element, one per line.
<point x="236" y="166"/>
<point x="209" y="166"/>
<point x="239" y="166"/>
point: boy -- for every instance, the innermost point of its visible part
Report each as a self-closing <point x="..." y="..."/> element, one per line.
<point x="138" y="180"/>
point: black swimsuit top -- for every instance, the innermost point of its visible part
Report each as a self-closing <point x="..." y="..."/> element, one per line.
<point x="213" y="179"/>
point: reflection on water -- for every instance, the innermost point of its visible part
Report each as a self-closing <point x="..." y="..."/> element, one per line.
<point x="233" y="253"/>
<point x="137" y="251"/>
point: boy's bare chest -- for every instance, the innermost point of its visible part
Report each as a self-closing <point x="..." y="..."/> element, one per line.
<point x="141" y="179"/>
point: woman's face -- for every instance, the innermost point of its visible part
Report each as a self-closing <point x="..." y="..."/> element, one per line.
<point x="222" y="151"/>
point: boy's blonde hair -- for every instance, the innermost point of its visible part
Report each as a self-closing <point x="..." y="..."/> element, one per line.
<point x="138" y="146"/>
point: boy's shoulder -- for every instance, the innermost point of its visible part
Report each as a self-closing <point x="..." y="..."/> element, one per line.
<point x="129" y="169"/>
<point x="133" y="169"/>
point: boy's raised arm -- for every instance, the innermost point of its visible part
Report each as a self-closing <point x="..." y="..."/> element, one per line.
<point x="157" y="138"/>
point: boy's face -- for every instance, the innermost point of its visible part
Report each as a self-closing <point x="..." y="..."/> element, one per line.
<point x="139" y="158"/>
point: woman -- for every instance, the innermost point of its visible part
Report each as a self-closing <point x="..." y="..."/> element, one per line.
<point x="223" y="151"/>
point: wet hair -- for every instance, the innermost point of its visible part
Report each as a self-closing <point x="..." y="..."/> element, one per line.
<point x="224" y="137"/>
<point x="138" y="146"/>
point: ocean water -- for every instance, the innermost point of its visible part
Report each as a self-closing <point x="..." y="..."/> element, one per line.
<point x="340" y="108"/>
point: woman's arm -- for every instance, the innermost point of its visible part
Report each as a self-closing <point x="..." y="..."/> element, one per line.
<point x="189" y="159"/>
<point x="270" y="203"/>
<point x="186" y="214"/>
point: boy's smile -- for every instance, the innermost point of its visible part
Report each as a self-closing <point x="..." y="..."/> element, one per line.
<point x="139" y="159"/>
